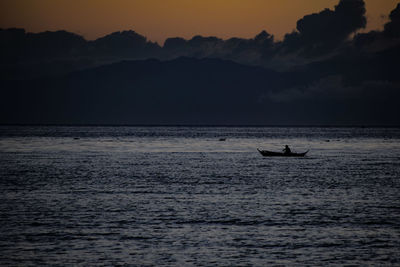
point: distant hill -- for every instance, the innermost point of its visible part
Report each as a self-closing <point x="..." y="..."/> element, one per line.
<point x="324" y="72"/>
<point x="184" y="90"/>
<point x="206" y="91"/>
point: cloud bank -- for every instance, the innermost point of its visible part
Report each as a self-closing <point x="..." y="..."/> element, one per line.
<point x="317" y="36"/>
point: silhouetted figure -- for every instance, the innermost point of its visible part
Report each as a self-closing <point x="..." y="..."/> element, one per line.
<point x="287" y="150"/>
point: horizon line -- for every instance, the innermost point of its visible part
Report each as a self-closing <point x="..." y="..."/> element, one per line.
<point x="202" y="125"/>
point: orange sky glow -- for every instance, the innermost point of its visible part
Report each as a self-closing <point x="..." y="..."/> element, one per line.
<point x="160" y="19"/>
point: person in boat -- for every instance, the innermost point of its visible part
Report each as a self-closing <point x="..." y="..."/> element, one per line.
<point x="287" y="150"/>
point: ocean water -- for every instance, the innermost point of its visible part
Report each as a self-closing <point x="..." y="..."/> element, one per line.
<point x="177" y="196"/>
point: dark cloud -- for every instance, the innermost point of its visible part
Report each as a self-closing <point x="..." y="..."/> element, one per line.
<point x="17" y="45"/>
<point x="125" y="44"/>
<point x="27" y="55"/>
<point x="174" y="45"/>
<point x="321" y="32"/>
<point x="317" y="35"/>
<point x="264" y="38"/>
<point x="234" y="48"/>
<point x="367" y="39"/>
<point x="392" y="28"/>
<point x="58" y="44"/>
<point x="375" y="41"/>
<point x="198" y="46"/>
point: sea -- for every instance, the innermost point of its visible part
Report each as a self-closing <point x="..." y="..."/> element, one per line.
<point x="180" y="196"/>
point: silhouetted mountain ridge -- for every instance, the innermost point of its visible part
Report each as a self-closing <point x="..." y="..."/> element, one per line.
<point x="322" y="73"/>
<point x="146" y="91"/>
<point x="197" y="91"/>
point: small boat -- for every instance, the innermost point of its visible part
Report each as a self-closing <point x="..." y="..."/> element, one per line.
<point x="267" y="153"/>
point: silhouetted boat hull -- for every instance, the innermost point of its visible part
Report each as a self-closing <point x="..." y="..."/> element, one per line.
<point x="267" y="153"/>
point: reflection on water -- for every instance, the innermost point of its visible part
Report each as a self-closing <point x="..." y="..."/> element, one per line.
<point x="178" y="196"/>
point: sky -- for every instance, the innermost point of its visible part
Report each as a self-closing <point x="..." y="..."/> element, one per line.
<point x="160" y="19"/>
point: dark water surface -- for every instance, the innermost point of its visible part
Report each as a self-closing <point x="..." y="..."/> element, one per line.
<point x="176" y="196"/>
